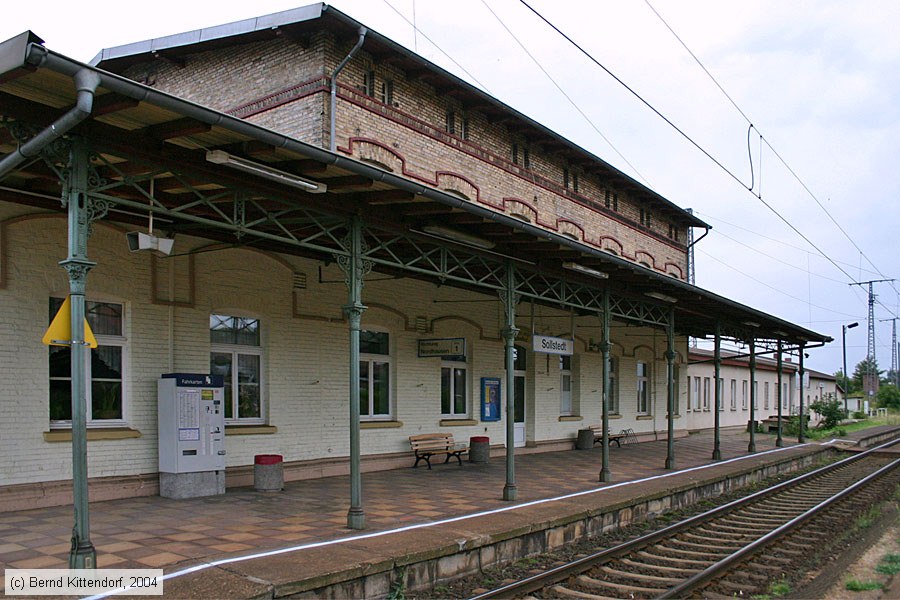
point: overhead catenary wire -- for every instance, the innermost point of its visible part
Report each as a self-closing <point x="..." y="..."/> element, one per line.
<point x="563" y="92"/>
<point x="764" y="140"/>
<point x="705" y="152"/>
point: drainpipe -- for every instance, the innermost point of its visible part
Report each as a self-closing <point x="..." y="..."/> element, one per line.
<point x="86" y="83"/>
<point x="362" y="36"/>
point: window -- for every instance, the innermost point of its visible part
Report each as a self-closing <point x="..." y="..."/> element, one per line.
<point x="733" y="394"/>
<point x="695" y="394"/>
<point x="515" y="154"/>
<point x="457" y="124"/>
<point x="526" y="158"/>
<point x="706" y="393"/>
<point x="565" y="385"/>
<point x="612" y="200"/>
<point x="454" y="394"/>
<point x="755" y="395"/>
<point x="784" y="395"/>
<point x="676" y="384"/>
<point x="575" y="182"/>
<point x="643" y="389"/>
<point x="566" y="177"/>
<point x="645" y="217"/>
<point x="613" y="386"/>
<point x="387" y="92"/>
<point x="236" y="355"/>
<point x="744" y="394"/>
<point x="720" y="404"/>
<point x="368" y="83"/>
<point x="104" y="366"/>
<point x="374" y="375"/>
<point x="766" y="396"/>
<point x="673" y="232"/>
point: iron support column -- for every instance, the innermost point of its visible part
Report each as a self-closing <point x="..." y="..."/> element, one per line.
<point x="509" y="332"/>
<point x="752" y="425"/>
<point x="605" y="346"/>
<point x="670" y="391"/>
<point x="779" y="442"/>
<point x="80" y="212"/>
<point x="801" y="438"/>
<point x="355" y="269"/>
<point x="717" y="369"/>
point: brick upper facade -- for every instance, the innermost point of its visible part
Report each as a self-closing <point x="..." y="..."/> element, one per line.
<point x="425" y="129"/>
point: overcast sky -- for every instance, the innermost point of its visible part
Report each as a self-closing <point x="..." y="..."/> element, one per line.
<point x="818" y="79"/>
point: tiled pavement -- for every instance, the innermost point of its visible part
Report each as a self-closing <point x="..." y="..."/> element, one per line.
<point x="158" y="532"/>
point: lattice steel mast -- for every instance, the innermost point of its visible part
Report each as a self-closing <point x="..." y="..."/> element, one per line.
<point x="870" y="378"/>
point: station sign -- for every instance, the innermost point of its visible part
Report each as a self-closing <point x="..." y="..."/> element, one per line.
<point x="552" y="345"/>
<point x="442" y="348"/>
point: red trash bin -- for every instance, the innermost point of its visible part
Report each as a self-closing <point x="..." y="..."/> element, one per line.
<point x="268" y="472"/>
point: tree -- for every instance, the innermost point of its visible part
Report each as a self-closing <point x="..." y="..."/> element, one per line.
<point x="845" y="382"/>
<point x="862" y="367"/>
<point x="888" y="396"/>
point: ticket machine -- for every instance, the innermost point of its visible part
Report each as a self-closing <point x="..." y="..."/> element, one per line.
<point x="191" y="415"/>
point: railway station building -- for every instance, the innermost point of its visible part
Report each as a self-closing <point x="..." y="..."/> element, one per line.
<point x="362" y="246"/>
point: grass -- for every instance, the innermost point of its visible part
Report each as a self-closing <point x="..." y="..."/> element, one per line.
<point x="868" y="518"/>
<point x="854" y="585"/>
<point x="779" y="588"/>
<point x="889" y="564"/>
<point x="892" y="418"/>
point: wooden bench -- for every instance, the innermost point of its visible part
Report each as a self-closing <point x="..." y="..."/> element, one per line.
<point x="626" y="435"/>
<point x="426" y="445"/>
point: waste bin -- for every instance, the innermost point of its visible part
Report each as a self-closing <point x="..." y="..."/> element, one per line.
<point x="585" y="439"/>
<point x="479" y="449"/>
<point x="268" y="472"/>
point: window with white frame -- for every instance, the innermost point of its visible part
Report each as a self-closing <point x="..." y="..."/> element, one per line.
<point x="744" y="394"/>
<point x="454" y="388"/>
<point x="695" y="394"/>
<point x="613" y="402"/>
<point x="721" y="390"/>
<point x="643" y="388"/>
<point x="104" y="368"/>
<point x="755" y="395"/>
<point x="374" y="375"/>
<point x="733" y="394"/>
<point x="565" y="386"/>
<point x="706" y="393"/>
<point x="784" y="395"/>
<point x="236" y="354"/>
<point x="766" y="396"/>
<point x="676" y="384"/>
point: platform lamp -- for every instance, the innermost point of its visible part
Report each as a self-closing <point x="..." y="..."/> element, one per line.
<point x="844" y="329"/>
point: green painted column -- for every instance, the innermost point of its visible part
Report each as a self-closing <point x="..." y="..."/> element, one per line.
<point x="605" y="347"/>
<point x="510" y="491"/>
<point x="717" y="369"/>
<point x="752" y="446"/>
<point x="802" y="437"/>
<point x="80" y="214"/>
<point x="670" y="391"/>
<point x="779" y="442"/>
<point x="355" y="269"/>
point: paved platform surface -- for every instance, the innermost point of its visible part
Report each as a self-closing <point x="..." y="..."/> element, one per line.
<point x="173" y="534"/>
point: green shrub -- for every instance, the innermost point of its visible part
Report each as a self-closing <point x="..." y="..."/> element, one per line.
<point x="855" y="585"/>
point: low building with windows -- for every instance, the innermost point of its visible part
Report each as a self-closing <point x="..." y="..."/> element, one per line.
<point x="365" y="248"/>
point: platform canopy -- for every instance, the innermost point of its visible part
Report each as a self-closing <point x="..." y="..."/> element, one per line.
<point x="155" y="152"/>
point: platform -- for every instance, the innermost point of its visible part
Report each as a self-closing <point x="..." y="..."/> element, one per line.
<point x="450" y="519"/>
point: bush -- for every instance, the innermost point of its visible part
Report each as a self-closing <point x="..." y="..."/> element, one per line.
<point x="860" y="415"/>
<point x="832" y="413"/>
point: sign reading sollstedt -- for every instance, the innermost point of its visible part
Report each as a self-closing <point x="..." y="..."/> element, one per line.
<point x="552" y="345"/>
<point x="442" y="347"/>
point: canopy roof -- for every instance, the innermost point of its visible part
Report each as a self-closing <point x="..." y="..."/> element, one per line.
<point x="141" y="135"/>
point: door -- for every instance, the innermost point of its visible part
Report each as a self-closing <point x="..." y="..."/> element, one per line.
<point x="519" y="397"/>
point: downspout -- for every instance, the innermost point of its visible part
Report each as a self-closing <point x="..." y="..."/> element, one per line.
<point x="86" y="83"/>
<point x="332" y="143"/>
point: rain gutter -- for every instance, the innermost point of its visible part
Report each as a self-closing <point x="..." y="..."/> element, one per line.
<point x="86" y="83"/>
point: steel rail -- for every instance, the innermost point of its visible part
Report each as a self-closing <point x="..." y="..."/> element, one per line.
<point x="577" y="567"/>
<point x="719" y="568"/>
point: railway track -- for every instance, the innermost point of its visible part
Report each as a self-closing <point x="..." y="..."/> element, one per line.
<point x="733" y="550"/>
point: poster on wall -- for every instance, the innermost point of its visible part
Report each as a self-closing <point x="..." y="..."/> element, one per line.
<point x="490" y="399"/>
